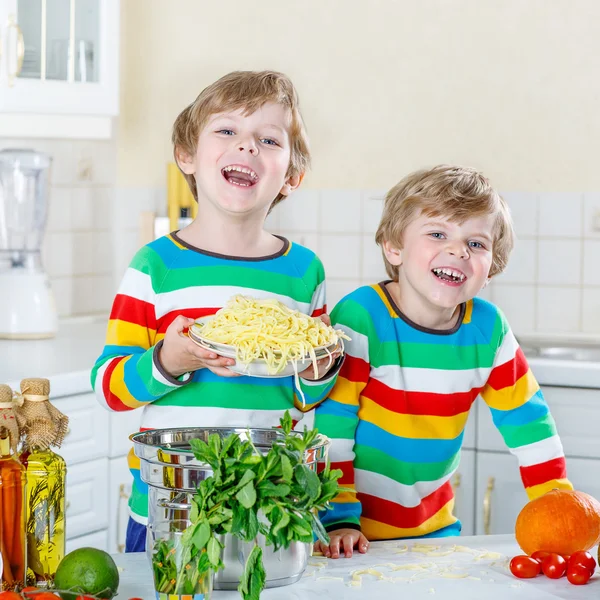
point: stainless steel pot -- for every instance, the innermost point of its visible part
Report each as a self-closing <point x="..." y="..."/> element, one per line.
<point x="169" y="467"/>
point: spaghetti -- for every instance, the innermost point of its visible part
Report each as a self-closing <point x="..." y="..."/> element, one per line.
<point x="269" y="330"/>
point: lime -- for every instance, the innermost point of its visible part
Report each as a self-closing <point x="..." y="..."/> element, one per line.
<point x="87" y="571"/>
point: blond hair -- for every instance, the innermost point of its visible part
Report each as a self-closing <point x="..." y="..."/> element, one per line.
<point x="451" y="192"/>
<point x="247" y="90"/>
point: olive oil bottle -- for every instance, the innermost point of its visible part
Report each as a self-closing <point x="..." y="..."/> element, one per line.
<point x="46" y="471"/>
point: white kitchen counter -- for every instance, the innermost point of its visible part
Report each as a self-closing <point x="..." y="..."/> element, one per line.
<point x="66" y="360"/>
<point x="479" y="569"/>
<point x="567" y="373"/>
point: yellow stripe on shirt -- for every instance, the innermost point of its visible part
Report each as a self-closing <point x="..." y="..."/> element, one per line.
<point x="124" y="333"/>
<point x="412" y="426"/>
<point x="513" y="396"/>
<point x="118" y="387"/>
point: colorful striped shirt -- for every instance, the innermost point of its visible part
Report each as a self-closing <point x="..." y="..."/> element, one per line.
<point x="168" y="278"/>
<point x="398" y="411"/>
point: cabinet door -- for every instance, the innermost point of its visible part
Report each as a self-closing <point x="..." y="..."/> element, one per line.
<point x="119" y="490"/>
<point x="98" y="540"/>
<point x="463" y="484"/>
<point x="122" y="425"/>
<point x="87" y="436"/>
<point x="499" y="493"/>
<point x="87" y="497"/>
<point x="59" y="56"/>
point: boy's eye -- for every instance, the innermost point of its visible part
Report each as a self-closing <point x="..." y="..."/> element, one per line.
<point x="437" y="235"/>
<point x="226" y="131"/>
<point x="269" y="142"/>
<point x="474" y="244"/>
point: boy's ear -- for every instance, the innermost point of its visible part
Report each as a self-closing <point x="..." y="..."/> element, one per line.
<point x="292" y="183"/>
<point x="392" y="253"/>
<point x="185" y="161"/>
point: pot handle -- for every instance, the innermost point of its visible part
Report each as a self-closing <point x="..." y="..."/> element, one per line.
<point x="176" y="505"/>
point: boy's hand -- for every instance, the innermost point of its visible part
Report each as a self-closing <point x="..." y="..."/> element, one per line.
<point x="324" y="365"/>
<point x="180" y="355"/>
<point x="344" y="540"/>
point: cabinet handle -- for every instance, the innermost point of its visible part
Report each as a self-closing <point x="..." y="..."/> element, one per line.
<point x="455" y="482"/>
<point x="487" y="506"/>
<point x="20" y="49"/>
<point x="122" y="496"/>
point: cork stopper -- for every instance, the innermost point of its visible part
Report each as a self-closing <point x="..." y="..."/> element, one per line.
<point x="8" y="420"/>
<point x="35" y="385"/>
<point x="6" y="393"/>
<point x="43" y="424"/>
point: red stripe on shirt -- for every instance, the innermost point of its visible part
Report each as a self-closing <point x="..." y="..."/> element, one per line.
<point x="543" y="472"/>
<point x="509" y="373"/>
<point x="132" y="310"/>
<point x="355" y="369"/>
<point x="419" y="403"/>
<point x="113" y="401"/>
<point x="347" y="468"/>
<point x="397" y="515"/>
<point x="190" y="313"/>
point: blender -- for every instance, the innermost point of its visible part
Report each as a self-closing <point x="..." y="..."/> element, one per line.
<point x="27" y="309"/>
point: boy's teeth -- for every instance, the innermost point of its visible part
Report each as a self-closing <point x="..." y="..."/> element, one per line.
<point x="450" y="273"/>
<point x="241" y="170"/>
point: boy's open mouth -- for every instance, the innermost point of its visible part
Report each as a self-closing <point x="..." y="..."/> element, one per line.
<point x="239" y="175"/>
<point x="449" y="275"/>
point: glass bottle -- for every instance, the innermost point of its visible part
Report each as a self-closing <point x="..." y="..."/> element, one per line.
<point x="46" y="477"/>
<point x="12" y="519"/>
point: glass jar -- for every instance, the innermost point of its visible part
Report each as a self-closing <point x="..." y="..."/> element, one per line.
<point x="176" y="572"/>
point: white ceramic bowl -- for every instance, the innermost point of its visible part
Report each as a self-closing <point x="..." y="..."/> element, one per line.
<point x="258" y="367"/>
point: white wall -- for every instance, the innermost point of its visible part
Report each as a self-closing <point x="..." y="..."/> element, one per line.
<point x="386" y="86"/>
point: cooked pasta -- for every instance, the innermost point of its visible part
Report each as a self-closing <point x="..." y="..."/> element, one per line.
<point x="269" y="330"/>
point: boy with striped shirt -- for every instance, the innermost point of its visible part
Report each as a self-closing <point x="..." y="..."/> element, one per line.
<point x="423" y="348"/>
<point x="242" y="148"/>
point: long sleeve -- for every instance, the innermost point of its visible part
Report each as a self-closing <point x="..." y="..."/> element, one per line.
<point x="315" y="391"/>
<point x="523" y="418"/>
<point x="128" y="375"/>
<point x="337" y="417"/>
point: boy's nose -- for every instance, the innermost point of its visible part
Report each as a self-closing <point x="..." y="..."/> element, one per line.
<point x="250" y="149"/>
<point x="458" y="249"/>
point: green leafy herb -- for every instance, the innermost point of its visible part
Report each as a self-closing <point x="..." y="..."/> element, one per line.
<point x="274" y="494"/>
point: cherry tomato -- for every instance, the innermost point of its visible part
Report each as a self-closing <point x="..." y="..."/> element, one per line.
<point x="585" y="559"/>
<point x="524" y="567"/>
<point x="554" y="566"/>
<point x="578" y="574"/>
<point x="10" y="596"/>
<point x="540" y="555"/>
<point x="46" y="596"/>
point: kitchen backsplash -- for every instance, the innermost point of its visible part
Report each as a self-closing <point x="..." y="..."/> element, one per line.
<point x="552" y="283"/>
<point x="79" y="249"/>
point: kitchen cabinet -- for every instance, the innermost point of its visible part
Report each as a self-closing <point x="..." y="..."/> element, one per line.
<point x="464" y="498"/>
<point x="98" y="479"/>
<point x="59" y="67"/>
<point x="119" y="490"/>
<point x="499" y="493"/>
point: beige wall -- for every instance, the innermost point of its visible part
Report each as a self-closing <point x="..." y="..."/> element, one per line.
<point x="386" y="86"/>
